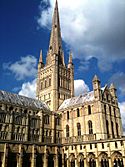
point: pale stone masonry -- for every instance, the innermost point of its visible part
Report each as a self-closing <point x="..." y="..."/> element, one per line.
<point x="58" y="129"/>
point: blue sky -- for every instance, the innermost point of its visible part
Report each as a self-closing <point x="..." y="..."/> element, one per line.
<point x="94" y="31"/>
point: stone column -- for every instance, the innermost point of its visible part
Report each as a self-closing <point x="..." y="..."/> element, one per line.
<point x="26" y="132"/>
<point x="109" y="155"/>
<point x="5" y="156"/>
<point x="20" y="157"/>
<point x="33" y="161"/>
<point x="76" y="162"/>
<point x="123" y="153"/>
<point x="41" y="126"/>
<point x="96" y="154"/>
<point x="68" y="163"/>
<point x="62" y="157"/>
<point x="85" y="156"/>
<point x="45" y="159"/>
<point x="56" y="157"/>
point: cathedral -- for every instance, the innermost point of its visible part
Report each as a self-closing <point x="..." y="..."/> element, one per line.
<point x="58" y="129"/>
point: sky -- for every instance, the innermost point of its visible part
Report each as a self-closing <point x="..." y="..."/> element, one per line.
<point x="93" y="30"/>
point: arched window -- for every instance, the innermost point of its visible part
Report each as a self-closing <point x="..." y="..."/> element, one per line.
<point x="112" y="125"/>
<point x="118" y="163"/>
<point x="117" y="127"/>
<point x="49" y="81"/>
<point x="105" y="109"/>
<point x="107" y="128"/>
<point x="92" y="162"/>
<point x="90" y="127"/>
<point x="45" y="83"/>
<point x="79" y="129"/>
<point x="46" y="119"/>
<point x="78" y="113"/>
<point x="104" y="163"/>
<point x="89" y="109"/>
<point x="67" y="115"/>
<point x="67" y="130"/>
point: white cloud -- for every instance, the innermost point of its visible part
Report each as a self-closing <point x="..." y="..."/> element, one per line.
<point x="122" y="110"/>
<point x="80" y="87"/>
<point x="29" y="89"/>
<point x="25" y="67"/>
<point x="90" y="28"/>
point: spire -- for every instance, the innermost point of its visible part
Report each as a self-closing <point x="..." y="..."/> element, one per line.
<point x="70" y="58"/>
<point x="41" y="57"/>
<point x="55" y="45"/>
<point x="95" y="78"/>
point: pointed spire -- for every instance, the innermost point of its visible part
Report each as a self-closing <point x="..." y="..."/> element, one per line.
<point x="70" y="58"/>
<point x="55" y="45"/>
<point x="95" y="78"/>
<point x="41" y="57"/>
<point x="112" y="86"/>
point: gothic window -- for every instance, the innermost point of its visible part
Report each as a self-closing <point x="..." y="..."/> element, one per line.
<point x="117" y="127"/>
<point x="107" y="128"/>
<point x="110" y="110"/>
<point x="92" y="162"/>
<point x="18" y="120"/>
<point x="89" y="109"/>
<point x="49" y="81"/>
<point x="33" y="122"/>
<point x="78" y="129"/>
<point x="78" y="113"/>
<point x="104" y="163"/>
<point x="118" y="163"/>
<point x="67" y="115"/>
<point x="112" y="126"/>
<point x="45" y="83"/>
<point x="67" y="130"/>
<point x="46" y="119"/>
<point x="105" y="109"/>
<point x="57" y="121"/>
<point x="90" y="127"/>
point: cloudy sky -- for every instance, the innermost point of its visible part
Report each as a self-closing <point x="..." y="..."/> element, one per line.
<point x="93" y="30"/>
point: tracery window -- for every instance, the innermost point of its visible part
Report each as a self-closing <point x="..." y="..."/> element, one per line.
<point x="90" y="127"/>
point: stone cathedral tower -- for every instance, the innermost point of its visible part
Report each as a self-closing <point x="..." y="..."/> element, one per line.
<point x="55" y="81"/>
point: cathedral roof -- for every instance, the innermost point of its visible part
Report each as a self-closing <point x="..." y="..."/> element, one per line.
<point x="15" y="99"/>
<point x="77" y="100"/>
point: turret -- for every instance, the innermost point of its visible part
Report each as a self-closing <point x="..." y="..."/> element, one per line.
<point x="113" y="90"/>
<point x="96" y="87"/>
